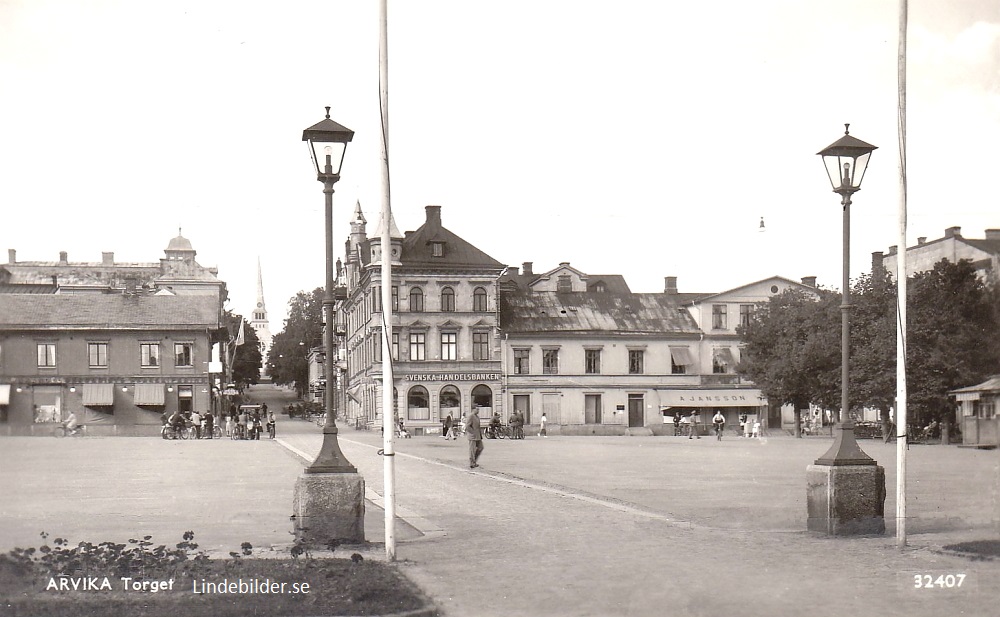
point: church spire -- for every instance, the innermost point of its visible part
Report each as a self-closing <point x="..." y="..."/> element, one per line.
<point x="260" y="288"/>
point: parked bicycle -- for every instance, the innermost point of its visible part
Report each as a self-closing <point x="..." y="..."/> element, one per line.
<point x="497" y="431"/>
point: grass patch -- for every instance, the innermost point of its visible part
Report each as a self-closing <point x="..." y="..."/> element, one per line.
<point x="141" y="579"/>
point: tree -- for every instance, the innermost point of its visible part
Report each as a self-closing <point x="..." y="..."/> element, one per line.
<point x="952" y="323"/>
<point x="873" y="344"/>
<point x="792" y="349"/>
<point x="247" y="358"/>
<point x="288" y="362"/>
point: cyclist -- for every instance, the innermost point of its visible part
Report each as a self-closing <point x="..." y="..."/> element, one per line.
<point x="177" y="423"/>
<point x="494" y="428"/>
<point x="70" y="423"/>
<point x="719" y="422"/>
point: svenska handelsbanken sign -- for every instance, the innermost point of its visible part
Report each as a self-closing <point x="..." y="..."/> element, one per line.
<point x="712" y="398"/>
<point x="453" y="377"/>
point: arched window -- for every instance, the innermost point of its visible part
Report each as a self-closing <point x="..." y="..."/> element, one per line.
<point x="482" y="400"/>
<point x="451" y="402"/>
<point x="448" y="299"/>
<point x="416" y="300"/>
<point x="479" y="300"/>
<point x="418" y="404"/>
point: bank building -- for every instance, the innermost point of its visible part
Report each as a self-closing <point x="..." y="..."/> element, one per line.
<point x="445" y="346"/>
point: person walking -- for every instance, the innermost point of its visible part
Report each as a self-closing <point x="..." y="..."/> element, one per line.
<point x="695" y="420"/>
<point x="209" y="422"/>
<point x="677" y="423"/>
<point x="474" y="433"/>
<point x="542" y="432"/>
<point x="446" y="428"/>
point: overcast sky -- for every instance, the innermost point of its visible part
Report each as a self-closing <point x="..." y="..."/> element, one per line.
<point x="643" y="138"/>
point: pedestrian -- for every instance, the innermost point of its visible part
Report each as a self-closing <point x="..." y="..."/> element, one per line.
<point x="685" y="426"/>
<point x="677" y="423"/>
<point x="474" y="433"/>
<point x="196" y="421"/>
<point x="719" y="423"/>
<point x="542" y="432"/>
<point x="209" y="421"/>
<point x="756" y="428"/>
<point x="446" y="429"/>
<point x="241" y="424"/>
<point x="229" y="425"/>
<point x="256" y="428"/>
<point x="743" y="425"/>
<point x="695" y="421"/>
<point x="462" y="423"/>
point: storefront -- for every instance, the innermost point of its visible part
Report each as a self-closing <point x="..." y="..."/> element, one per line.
<point x="428" y="398"/>
<point x="733" y="403"/>
<point x="977" y="412"/>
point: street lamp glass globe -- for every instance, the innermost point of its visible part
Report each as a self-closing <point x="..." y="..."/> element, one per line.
<point x="846" y="161"/>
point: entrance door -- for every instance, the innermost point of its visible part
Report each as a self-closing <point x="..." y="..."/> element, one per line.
<point x="522" y="403"/>
<point x="550" y="405"/>
<point x="592" y="408"/>
<point x="635" y="411"/>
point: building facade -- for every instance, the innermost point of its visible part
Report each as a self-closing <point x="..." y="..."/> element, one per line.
<point x="984" y="253"/>
<point x="117" y="344"/>
<point x="445" y="350"/>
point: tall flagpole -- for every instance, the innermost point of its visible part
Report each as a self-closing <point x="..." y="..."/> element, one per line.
<point x="901" y="421"/>
<point x="388" y="385"/>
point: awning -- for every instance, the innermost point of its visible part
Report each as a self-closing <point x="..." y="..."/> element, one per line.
<point x="150" y="394"/>
<point x="4" y="394"/>
<point x="98" y="394"/>
<point x="681" y="356"/>
<point x="712" y="398"/>
<point x="724" y="355"/>
<point x="355" y="393"/>
<point x="967" y="396"/>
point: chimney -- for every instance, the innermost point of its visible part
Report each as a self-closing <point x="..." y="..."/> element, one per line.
<point x="512" y="270"/>
<point x="878" y="265"/>
<point x="670" y="284"/>
<point x="892" y="249"/>
<point x="63" y="258"/>
<point x="526" y="266"/>
<point x="12" y="256"/>
<point x="433" y="215"/>
<point x="952" y="232"/>
<point x="563" y="264"/>
<point x="991" y="234"/>
<point x="809" y="280"/>
<point x="107" y="259"/>
<point x="921" y="240"/>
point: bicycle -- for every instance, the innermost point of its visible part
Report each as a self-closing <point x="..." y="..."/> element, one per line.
<point x="270" y="430"/>
<point x="62" y="431"/>
<point x="718" y="431"/>
<point x="498" y="431"/>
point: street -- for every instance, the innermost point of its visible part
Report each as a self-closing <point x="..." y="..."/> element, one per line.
<point x="546" y="526"/>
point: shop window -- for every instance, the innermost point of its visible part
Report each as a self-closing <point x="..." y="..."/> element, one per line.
<point x="451" y="401"/>
<point x="482" y="399"/>
<point x="418" y="404"/>
<point x="185" y="398"/>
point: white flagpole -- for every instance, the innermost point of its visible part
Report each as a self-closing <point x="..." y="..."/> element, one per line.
<point x="388" y="385"/>
<point x="901" y="421"/>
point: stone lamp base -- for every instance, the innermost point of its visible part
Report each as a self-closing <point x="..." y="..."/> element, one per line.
<point x="329" y="506"/>
<point x="846" y="500"/>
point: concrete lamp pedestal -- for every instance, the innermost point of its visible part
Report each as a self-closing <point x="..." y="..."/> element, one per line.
<point x="845" y="489"/>
<point x="329" y="498"/>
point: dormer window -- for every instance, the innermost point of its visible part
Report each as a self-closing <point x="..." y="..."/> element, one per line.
<point x="437" y="249"/>
<point x="564" y="284"/>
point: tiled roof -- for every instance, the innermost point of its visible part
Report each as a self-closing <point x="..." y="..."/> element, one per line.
<point x="990" y="385"/>
<point x="987" y="246"/>
<point x="107" y="311"/>
<point x="582" y="312"/>
<point x="457" y="252"/>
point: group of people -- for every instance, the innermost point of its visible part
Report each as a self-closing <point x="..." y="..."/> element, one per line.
<point x="203" y="423"/>
<point x="249" y="424"/>
<point x="689" y="425"/>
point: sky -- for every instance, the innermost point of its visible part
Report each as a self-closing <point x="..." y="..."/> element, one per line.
<point x="628" y="137"/>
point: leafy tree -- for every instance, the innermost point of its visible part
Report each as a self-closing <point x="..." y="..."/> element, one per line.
<point x="247" y="357"/>
<point x="951" y="326"/>
<point x="792" y="349"/>
<point x="287" y="362"/>
<point x="873" y="344"/>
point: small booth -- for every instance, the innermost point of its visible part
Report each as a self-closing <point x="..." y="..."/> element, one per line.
<point x="977" y="413"/>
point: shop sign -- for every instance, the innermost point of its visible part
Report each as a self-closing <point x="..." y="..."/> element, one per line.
<point x="453" y="377"/>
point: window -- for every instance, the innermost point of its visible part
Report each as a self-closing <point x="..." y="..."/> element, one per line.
<point x="98" y="355"/>
<point x="377" y="299"/>
<point x="722" y="359"/>
<point x="417" y="344"/>
<point x="635" y="357"/>
<point x="719" y="321"/>
<point x="480" y="303"/>
<point x="677" y="369"/>
<point x="395" y="345"/>
<point x="451" y="400"/>
<point x="416" y="300"/>
<point x="46" y="355"/>
<point x="377" y="346"/>
<point x="417" y="404"/>
<point x="150" y="354"/>
<point x="522" y="361"/>
<point x="183" y="354"/>
<point x="592" y="361"/>
<point x="746" y="314"/>
<point x="564" y="284"/>
<point x="449" y="346"/>
<point x="395" y="299"/>
<point x="680" y="359"/>
<point x="550" y="361"/>
<point x="437" y="249"/>
<point x="480" y="345"/>
<point x="448" y="299"/>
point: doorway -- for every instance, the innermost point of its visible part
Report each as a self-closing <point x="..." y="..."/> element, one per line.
<point x="636" y="408"/>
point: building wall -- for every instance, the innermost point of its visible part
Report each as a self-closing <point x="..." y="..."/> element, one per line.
<point x="62" y="385"/>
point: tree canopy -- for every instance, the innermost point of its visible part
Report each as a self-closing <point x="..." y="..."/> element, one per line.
<point x="288" y="363"/>
<point x="247" y="358"/>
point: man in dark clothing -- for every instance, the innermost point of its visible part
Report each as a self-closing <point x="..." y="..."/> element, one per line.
<point x="474" y="433"/>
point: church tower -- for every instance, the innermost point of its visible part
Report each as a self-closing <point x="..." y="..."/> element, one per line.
<point x="260" y="323"/>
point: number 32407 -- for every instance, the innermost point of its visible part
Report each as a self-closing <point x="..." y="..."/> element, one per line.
<point x="943" y="581"/>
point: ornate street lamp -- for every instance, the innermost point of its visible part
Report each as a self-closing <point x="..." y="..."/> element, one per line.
<point x="327" y="143"/>
<point x="846" y="161"/>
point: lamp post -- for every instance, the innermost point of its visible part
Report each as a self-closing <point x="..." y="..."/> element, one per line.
<point x="845" y="487"/>
<point x="846" y="161"/>
<point x="327" y="143"/>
